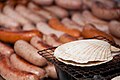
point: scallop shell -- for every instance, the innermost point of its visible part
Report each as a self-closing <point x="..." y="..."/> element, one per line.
<point x="115" y="49"/>
<point x="83" y="65"/>
<point x="82" y="52"/>
<point x="116" y="78"/>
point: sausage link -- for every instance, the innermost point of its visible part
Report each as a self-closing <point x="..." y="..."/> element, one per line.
<point x="14" y="36"/>
<point x="22" y="65"/>
<point x="29" y="53"/>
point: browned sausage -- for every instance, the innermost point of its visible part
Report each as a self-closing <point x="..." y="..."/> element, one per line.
<point x="12" y="37"/>
<point x="29" y="53"/>
<point x="22" y="65"/>
<point x="5" y="49"/>
<point x="66" y="38"/>
<point x="90" y="31"/>
<point x="10" y="73"/>
<point x="56" y="24"/>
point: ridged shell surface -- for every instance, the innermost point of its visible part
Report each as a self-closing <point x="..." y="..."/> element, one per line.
<point x="84" y="51"/>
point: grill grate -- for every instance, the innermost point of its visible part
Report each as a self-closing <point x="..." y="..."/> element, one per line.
<point x="104" y="71"/>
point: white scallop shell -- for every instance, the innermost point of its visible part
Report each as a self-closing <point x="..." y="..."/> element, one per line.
<point x="116" y="78"/>
<point x="83" y="65"/>
<point x="115" y="49"/>
<point x="84" y="51"/>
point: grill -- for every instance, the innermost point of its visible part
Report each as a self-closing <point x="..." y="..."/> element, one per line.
<point x="104" y="71"/>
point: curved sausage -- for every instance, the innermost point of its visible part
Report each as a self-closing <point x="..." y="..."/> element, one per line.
<point x="22" y="65"/>
<point x="14" y="36"/>
<point x="89" y="31"/>
<point x="29" y="53"/>
<point x="105" y="13"/>
<point x="10" y="73"/>
<point x="56" y="24"/>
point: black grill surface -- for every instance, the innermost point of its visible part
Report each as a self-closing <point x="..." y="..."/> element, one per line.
<point x="104" y="71"/>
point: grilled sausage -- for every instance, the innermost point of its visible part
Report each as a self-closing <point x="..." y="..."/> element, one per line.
<point x="14" y="36"/>
<point x="99" y="10"/>
<point x="89" y="31"/>
<point x="22" y="65"/>
<point x="66" y="38"/>
<point x="10" y="73"/>
<point x="56" y="24"/>
<point x="29" y="53"/>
